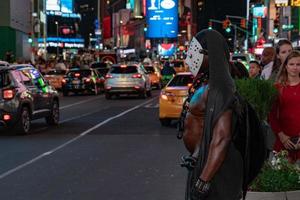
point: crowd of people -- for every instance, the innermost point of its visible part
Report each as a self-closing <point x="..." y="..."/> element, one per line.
<point x="281" y="64"/>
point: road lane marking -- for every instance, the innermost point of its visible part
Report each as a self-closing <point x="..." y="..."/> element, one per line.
<point x="69" y="119"/>
<point x="79" y="102"/>
<point x="9" y="172"/>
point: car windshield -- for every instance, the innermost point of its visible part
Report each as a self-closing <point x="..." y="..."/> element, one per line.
<point x="243" y="58"/>
<point x="177" y="64"/>
<point x="79" y="73"/>
<point x="56" y="72"/>
<point x="150" y="69"/>
<point x="124" y="70"/>
<point x="4" y="79"/>
<point x="181" y="80"/>
<point x="102" y="71"/>
<point x="99" y="65"/>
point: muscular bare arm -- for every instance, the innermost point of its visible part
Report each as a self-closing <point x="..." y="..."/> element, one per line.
<point x="218" y="146"/>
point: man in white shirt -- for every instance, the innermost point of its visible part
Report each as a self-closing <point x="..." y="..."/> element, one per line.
<point x="267" y="58"/>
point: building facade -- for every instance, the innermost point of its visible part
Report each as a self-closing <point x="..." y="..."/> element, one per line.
<point x="15" y="25"/>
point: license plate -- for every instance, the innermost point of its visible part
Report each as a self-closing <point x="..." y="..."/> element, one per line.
<point x="76" y="82"/>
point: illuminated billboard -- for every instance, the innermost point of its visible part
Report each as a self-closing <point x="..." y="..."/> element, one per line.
<point x="162" y="18"/>
<point x="65" y="6"/>
<point x="167" y="49"/>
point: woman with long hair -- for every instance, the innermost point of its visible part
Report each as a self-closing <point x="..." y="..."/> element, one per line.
<point x="284" y="117"/>
<point x="283" y="49"/>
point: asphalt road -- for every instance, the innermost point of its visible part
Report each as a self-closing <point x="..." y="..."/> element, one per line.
<point x="103" y="149"/>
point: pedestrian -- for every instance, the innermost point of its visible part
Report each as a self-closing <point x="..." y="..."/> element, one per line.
<point x="284" y="117"/>
<point x="283" y="48"/>
<point x="219" y="170"/>
<point x="267" y="62"/>
<point x="254" y="69"/>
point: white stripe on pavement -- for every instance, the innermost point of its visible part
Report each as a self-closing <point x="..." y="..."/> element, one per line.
<point x="9" y="172"/>
<point x="79" y="102"/>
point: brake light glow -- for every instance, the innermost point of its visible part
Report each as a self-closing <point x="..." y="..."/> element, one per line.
<point x="88" y="80"/>
<point x="137" y="87"/>
<point x="137" y="76"/>
<point x="8" y="94"/>
<point x="6" y="117"/>
<point x="63" y="81"/>
<point x="190" y="84"/>
<point x="123" y="66"/>
<point x="108" y="76"/>
<point x="77" y="74"/>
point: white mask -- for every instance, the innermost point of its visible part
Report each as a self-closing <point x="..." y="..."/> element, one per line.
<point x="194" y="57"/>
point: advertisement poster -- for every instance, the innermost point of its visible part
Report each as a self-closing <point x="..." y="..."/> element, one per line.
<point x="167" y="49"/>
<point x="162" y="18"/>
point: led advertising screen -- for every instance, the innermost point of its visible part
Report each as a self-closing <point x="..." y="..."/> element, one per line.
<point x="162" y="18"/>
<point x="53" y="5"/>
<point x="167" y="49"/>
<point x="64" y="6"/>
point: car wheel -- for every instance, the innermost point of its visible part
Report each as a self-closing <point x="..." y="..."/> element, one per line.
<point x="165" y="122"/>
<point x="107" y="96"/>
<point x="24" y="123"/>
<point x="53" y="118"/>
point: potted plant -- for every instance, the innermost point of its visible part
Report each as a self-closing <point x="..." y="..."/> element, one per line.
<point x="279" y="179"/>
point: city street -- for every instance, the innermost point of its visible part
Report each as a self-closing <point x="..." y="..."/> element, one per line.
<point x="103" y="149"/>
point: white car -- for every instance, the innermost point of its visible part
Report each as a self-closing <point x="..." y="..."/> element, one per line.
<point x="245" y="58"/>
<point x="127" y="79"/>
<point x="4" y="64"/>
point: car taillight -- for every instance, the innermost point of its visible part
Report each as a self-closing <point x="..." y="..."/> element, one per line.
<point x="77" y="74"/>
<point x="6" y="117"/>
<point x="108" y="76"/>
<point x="87" y="80"/>
<point x="8" y="94"/>
<point x="63" y="81"/>
<point x="137" y="76"/>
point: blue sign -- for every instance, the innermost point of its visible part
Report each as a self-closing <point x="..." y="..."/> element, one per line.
<point x="66" y="6"/>
<point x="162" y="18"/>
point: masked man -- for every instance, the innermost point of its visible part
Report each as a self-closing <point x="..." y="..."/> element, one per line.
<point x="218" y="174"/>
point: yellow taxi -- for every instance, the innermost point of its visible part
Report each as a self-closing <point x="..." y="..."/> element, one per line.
<point x="55" y="77"/>
<point x="173" y="96"/>
<point x="154" y="75"/>
<point x="179" y="66"/>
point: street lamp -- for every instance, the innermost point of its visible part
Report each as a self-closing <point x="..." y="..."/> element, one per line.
<point x="57" y="47"/>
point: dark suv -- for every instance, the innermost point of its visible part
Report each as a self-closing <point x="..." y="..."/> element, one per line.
<point x="25" y="96"/>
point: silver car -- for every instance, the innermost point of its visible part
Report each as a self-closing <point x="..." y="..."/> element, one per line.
<point x="127" y="79"/>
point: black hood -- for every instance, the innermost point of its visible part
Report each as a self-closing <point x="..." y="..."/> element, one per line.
<point x="221" y="86"/>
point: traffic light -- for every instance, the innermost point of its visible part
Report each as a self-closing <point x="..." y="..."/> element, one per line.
<point x="243" y="23"/>
<point x="30" y="40"/>
<point x="276" y="24"/>
<point x="228" y="29"/>
<point x="226" y="23"/>
<point x="210" y="25"/>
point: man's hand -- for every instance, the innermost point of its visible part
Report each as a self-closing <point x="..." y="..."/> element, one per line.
<point x="200" y="190"/>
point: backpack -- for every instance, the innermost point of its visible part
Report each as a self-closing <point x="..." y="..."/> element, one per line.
<point x="249" y="137"/>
